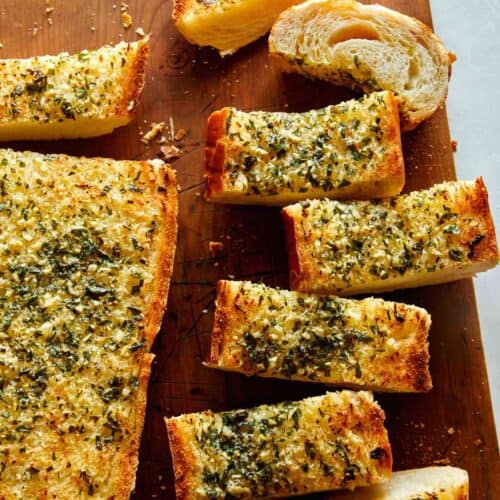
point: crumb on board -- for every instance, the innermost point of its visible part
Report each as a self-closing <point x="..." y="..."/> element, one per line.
<point x="451" y="431"/>
<point x="151" y="134"/>
<point x="170" y="152"/>
<point x="180" y="134"/>
<point x="126" y="20"/>
<point x="1" y="45"/>
<point x="454" y="144"/>
<point x="140" y="32"/>
<point x="215" y="248"/>
<point x="478" y="442"/>
<point x="442" y="461"/>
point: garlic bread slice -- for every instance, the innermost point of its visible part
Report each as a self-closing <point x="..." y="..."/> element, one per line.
<point x="71" y="96"/>
<point x="364" y="344"/>
<point x="350" y="150"/>
<point x="437" y="235"/>
<point x="320" y="443"/>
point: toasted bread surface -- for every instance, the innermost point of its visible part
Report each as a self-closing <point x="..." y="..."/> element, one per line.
<point x="369" y="344"/>
<point x="71" y="96"/>
<point x="428" y="483"/>
<point x="86" y="250"/>
<point x="321" y="443"/>
<point x="226" y="25"/>
<point x="426" y="237"/>
<point x="351" y="150"/>
<point x="366" y="47"/>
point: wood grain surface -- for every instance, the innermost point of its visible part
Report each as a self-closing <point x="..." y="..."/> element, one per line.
<point x="453" y="422"/>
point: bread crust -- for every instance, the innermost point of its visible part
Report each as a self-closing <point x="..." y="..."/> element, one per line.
<point x="164" y="178"/>
<point x="405" y="370"/>
<point x="468" y="199"/>
<point x="378" y="178"/>
<point x="133" y="80"/>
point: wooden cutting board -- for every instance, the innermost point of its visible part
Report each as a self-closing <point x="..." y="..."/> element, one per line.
<point x="453" y="423"/>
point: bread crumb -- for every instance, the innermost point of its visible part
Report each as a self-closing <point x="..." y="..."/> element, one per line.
<point x="454" y="144"/>
<point x="442" y="461"/>
<point x="215" y="248"/>
<point x="478" y="442"/>
<point x="155" y="129"/>
<point x="140" y="32"/>
<point x="126" y="20"/>
<point x="180" y="134"/>
<point x="49" y="10"/>
<point x="170" y="152"/>
<point x="1" y="45"/>
<point x="451" y="431"/>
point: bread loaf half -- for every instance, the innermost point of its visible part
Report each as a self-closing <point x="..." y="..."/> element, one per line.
<point x="86" y="254"/>
<point x="351" y="150"/>
<point x="366" y="47"/>
<point x="422" y="238"/>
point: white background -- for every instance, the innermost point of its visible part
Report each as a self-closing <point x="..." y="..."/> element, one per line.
<point x="470" y="29"/>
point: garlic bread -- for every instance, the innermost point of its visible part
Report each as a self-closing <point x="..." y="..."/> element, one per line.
<point x="226" y="25"/>
<point x="71" y="96"/>
<point x="86" y="255"/>
<point x="427" y="483"/>
<point x="321" y="443"/>
<point x="437" y="235"/>
<point x="367" y="48"/>
<point x="368" y="344"/>
<point x="351" y="150"/>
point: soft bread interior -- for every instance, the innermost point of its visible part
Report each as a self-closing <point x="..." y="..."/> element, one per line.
<point x="368" y="48"/>
<point x="439" y="483"/>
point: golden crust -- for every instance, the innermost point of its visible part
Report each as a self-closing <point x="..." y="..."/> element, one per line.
<point x="179" y="8"/>
<point x="165" y="179"/>
<point x="401" y="369"/>
<point x="377" y="178"/>
<point x="475" y="240"/>
<point x="183" y="459"/>
<point x="134" y="78"/>
<point x="345" y="413"/>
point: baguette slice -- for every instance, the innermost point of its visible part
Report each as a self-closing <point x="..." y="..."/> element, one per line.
<point x="366" y="47"/>
<point x="428" y="483"/>
<point x="321" y="443"/>
<point x="438" y="235"/>
<point x="87" y="249"/>
<point x="369" y="344"/>
<point x="71" y="96"/>
<point x="226" y="25"/>
<point x="351" y="150"/>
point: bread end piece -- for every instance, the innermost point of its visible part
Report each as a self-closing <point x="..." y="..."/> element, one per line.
<point x="438" y="483"/>
<point x="366" y="48"/>
<point x="224" y="24"/>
